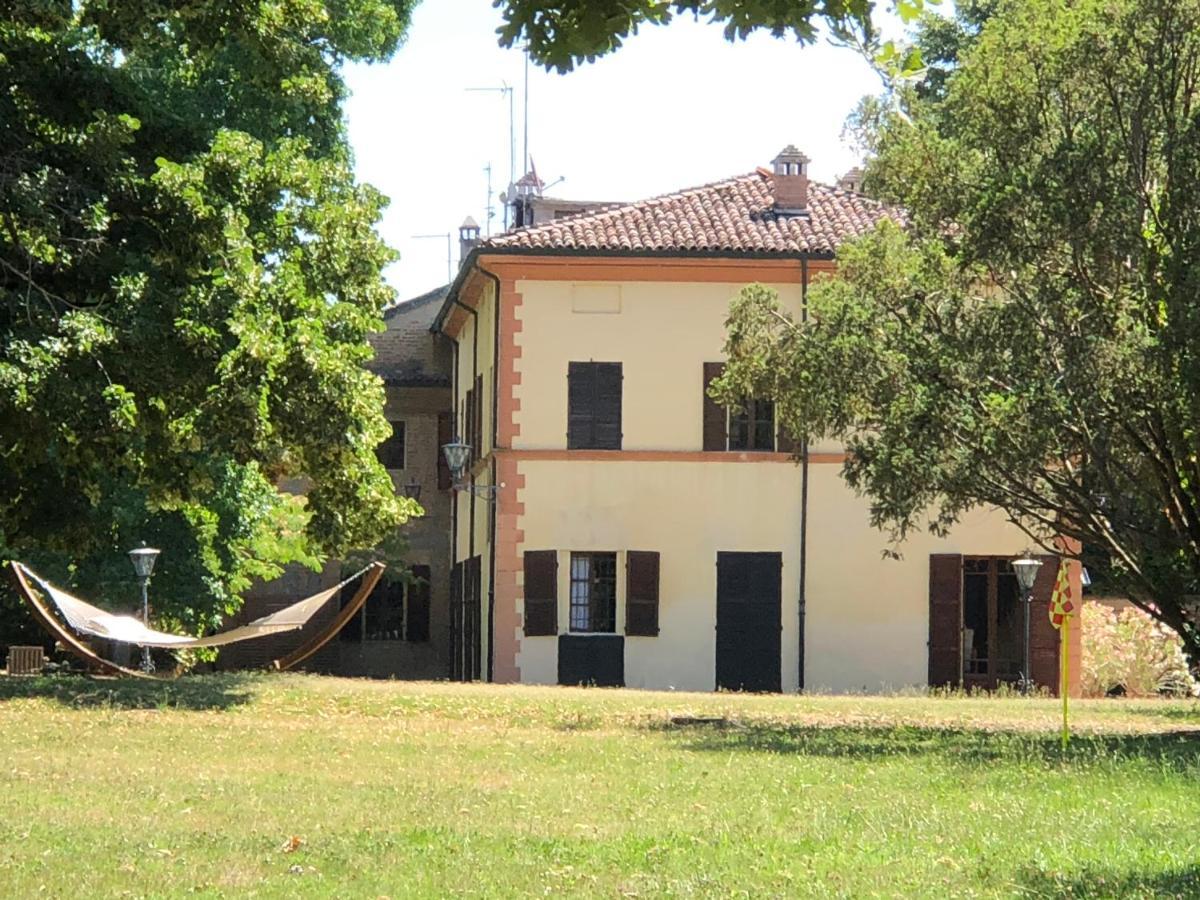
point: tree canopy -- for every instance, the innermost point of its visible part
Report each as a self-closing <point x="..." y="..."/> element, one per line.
<point x="188" y="276"/>
<point x="1031" y="340"/>
<point x="560" y="34"/>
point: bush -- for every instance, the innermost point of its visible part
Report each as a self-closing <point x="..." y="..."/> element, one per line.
<point x="1129" y="651"/>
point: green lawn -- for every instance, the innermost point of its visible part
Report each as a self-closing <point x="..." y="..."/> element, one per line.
<point x="282" y="786"/>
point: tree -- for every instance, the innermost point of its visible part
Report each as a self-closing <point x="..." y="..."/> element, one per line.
<point x="188" y="275"/>
<point x="560" y="34"/>
<point x="1031" y="341"/>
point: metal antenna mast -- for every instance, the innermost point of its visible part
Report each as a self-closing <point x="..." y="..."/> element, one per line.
<point x="489" y="211"/>
<point x="449" y="260"/>
<point x="525" y="154"/>
<point x="506" y="89"/>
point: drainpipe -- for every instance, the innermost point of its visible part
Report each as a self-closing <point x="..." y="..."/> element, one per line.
<point x="803" y="494"/>
<point x="453" y="506"/>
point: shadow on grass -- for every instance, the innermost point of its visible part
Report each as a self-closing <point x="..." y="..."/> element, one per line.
<point x="1179" y="882"/>
<point x="1176" y="751"/>
<point x="206" y="692"/>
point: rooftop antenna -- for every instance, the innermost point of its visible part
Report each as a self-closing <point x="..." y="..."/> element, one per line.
<point x="488" y="210"/>
<point x="506" y="89"/>
<point x="449" y="270"/>
<point x="525" y="152"/>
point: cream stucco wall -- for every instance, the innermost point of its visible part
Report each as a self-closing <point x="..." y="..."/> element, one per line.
<point x="867" y="616"/>
<point x="686" y="511"/>
<point x="662" y="335"/>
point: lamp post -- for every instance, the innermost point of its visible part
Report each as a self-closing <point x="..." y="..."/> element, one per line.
<point x="1026" y="569"/>
<point x="143" y="558"/>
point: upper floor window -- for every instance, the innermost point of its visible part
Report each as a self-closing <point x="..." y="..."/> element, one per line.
<point x="593" y="406"/>
<point x="391" y="451"/>
<point x="752" y="426"/>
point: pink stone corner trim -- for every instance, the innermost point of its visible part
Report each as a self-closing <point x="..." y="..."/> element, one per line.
<point x="509" y="508"/>
<point x="510" y="300"/>
<point x="509" y="570"/>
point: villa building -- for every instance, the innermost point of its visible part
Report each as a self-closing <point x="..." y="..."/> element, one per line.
<point x="615" y="526"/>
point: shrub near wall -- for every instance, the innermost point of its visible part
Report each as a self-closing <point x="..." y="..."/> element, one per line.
<point x="1129" y="651"/>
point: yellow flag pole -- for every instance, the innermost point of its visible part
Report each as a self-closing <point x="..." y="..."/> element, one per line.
<point x="1064" y="687"/>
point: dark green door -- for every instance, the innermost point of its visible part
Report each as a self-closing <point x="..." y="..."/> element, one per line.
<point x="749" y="621"/>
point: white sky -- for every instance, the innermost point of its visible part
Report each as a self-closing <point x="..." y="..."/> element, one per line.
<point x="675" y="107"/>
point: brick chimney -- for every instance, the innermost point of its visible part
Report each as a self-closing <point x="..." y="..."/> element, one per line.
<point x="790" y="180"/>
<point x="852" y="181"/>
<point x="468" y="237"/>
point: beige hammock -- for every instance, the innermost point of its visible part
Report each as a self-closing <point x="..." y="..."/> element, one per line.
<point x="83" y="618"/>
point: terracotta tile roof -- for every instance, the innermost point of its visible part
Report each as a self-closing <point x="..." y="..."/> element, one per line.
<point x="733" y="216"/>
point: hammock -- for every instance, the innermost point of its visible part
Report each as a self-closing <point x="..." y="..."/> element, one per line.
<point x="83" y="618"/>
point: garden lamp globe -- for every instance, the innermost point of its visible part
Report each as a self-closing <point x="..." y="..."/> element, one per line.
<point x="1026" y="569"/>
<point x="143" y="558"/>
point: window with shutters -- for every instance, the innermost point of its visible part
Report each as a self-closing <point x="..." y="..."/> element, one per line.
<point x="594" y="406"/>
<point x="593" y="593"/>
<point x="752" y="426"/>
<point x="391" y="451"/>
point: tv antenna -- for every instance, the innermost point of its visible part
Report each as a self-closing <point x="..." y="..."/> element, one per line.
<point x="449" y="269"/>
<point x="507" y="89"/>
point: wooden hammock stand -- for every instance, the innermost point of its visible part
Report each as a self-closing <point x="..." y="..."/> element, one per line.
<point x="94" y="661"/>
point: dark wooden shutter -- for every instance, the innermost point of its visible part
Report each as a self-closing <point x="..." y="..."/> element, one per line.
<point x="541" y="592"/>
<point x="593" y="406"/>
<point x="475" y="618"/>
<point x="581" y="389"/>
<point x="641" y="593"/>
<point x="456" y="620"/>
<point x="715" y="436"/>
<point x="445" y="431"/>
<point x="416" y="620"/>
<point x="608" y="406"/>
<point x="1043" y="636"/>
<point x="469" y="420"/>
<point x="478" y="442"/>
<point x="945" y="619"/>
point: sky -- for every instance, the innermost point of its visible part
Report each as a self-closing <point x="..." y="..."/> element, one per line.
<point x="675" y="107"/>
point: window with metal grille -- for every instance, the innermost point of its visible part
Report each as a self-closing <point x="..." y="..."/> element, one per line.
<point x="594" y="592"/>
<point x="752" y="426"/>
<point x="391" y="451"/>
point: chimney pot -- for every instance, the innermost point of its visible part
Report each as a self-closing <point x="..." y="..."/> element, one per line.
<point x="468" y="237"/>
<point x="852" y="181"/>
<point x="790" y="181"/>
